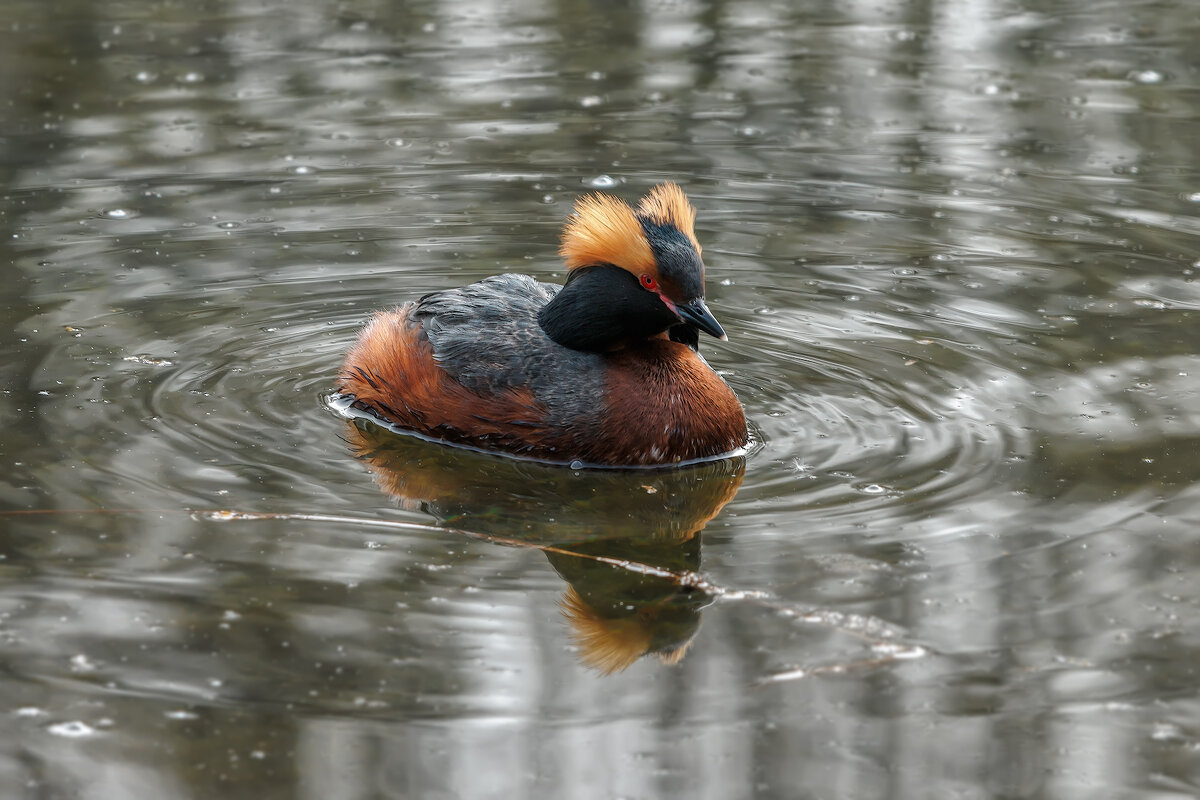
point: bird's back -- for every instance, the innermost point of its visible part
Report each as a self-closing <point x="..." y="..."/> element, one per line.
<point x="472" y="366"/>
<point x="486" y="336"/>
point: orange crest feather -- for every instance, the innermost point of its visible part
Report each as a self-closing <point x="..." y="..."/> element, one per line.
<point x="604" y="230"/>
<point x="666" y="204"/>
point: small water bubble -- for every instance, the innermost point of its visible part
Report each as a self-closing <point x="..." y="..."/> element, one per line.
<point x="373" y="545"/>
<point x="1143" y="303"/>
<point x="601" y="182"/>
<point x="1166" y="731"/>
<point x="576" y="465"/>
<point x="81" y="663"/>
<point x="1194" y="197"/>
<point x="72" y="730"/>
<point x="396" y="142"/>
<point x="872" y="488"/>
<point x="547" y="199"/>
<point x="1147" y="76"/>
<point x="191" y="77"/>
<point x="145" y="77"/>
<point x="149" y="361"/>
<point x="181" y="714"/>
<point x="596" y="75"/>
<point x="899" y="652"/>
<point x="303" y="170"/>
<point x="229" y="225"/>
<point x="117" y="213"/>
<point x="29" y="711"/>
<point x="591" y="101"/>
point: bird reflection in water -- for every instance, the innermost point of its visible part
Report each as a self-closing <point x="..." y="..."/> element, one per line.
<point x="621" y="539"/>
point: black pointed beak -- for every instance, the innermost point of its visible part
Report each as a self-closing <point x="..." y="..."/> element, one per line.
<point x="697" y="315"/>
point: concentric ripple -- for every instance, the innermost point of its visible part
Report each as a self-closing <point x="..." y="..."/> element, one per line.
<point x="870" y="421"/>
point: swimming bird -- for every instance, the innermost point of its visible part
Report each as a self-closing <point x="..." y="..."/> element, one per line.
<point x="604" y="370"/>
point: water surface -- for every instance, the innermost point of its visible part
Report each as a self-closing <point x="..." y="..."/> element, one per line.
<point x="955" y="249"/>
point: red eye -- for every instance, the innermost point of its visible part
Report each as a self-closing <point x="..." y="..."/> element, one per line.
<point x="649" y="283"/>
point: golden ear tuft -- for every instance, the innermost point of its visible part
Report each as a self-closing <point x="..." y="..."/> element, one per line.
<point x="606" y="645"/>
<point x="666" y="204"/>
<point x="604" y="230"/>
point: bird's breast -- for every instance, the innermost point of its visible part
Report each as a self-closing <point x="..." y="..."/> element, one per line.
<point x="663" y="404"/>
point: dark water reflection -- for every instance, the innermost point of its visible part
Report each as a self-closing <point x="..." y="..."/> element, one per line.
<point x="954" y="246"/>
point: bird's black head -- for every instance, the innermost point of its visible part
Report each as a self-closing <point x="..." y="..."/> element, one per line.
<point x="663" y="285"/>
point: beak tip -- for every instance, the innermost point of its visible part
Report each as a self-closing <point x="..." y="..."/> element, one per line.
<point x="698" y="316"/>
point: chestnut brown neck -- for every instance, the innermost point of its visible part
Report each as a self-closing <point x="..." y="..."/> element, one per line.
<point x="664" y="404"/>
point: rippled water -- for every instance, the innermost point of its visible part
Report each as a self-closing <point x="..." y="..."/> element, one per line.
<point x="954" y="246"/>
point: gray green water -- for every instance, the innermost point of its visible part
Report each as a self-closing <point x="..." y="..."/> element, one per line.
<point x="954" y="245"/>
